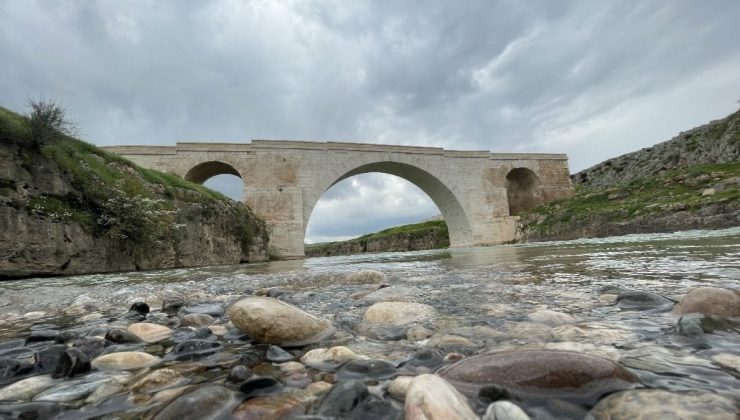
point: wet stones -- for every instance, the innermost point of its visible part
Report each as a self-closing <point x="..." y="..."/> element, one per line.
<point x="26" y="389"/>
<point x="159" y="380"/>
<point x="504" y="410"/>
<point x="366" y="369"/>
<point x="641" y="301"/>
<point x="398" y="313"/>
<point x="328" y="359"/>
<point x="431" y="397"/>
<point x="72" y="362"/>
<point x="193" y="350"/>
<point x="270" y="407"/>
<point x="546" y="316"/>
<point x="127" y="360"/>
<point x="365" y="276"/>
<point x="661" y="404"/>
<point x="121" y="336"/>
<point x="711" y="301"/>
<point x="210" y="401"/>
<point x="196" y="320"/>
<point x="260" y="385"/>
<point x="271" y="321"/>
<point x="343" y="398"/>
<point x="278" y="355"/>
<point x="540" y="374"/>
<point x="151" y="333"/>
<point x="214" y="309"/>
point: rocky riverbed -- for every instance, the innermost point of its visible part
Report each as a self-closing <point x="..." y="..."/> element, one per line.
<point x="611" y="328"/>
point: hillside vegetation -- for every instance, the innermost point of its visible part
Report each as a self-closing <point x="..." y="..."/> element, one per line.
<point x="68" y="207"/>
<point x="426" y="235"/>
<point x="689" y="182"/>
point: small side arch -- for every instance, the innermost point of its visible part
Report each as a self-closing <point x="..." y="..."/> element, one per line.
<point x="202" y="172"/>
<point x="523" y="190"/>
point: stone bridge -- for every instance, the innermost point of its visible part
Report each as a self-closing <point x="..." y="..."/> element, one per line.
<point x="479" y="193"/>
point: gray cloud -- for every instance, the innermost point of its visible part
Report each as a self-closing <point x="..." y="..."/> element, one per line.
<point x="591" y="79"/>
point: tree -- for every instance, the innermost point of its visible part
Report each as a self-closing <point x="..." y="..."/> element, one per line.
<point x="47" y="121"/>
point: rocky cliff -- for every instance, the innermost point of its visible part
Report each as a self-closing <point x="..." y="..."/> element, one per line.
<point x="67" y="207"/>
<point x="689" y="182"/>
<point x="715" y="142"/>
<point x="427" y="235"/>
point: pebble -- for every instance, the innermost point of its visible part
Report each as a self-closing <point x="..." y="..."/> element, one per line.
<point x="214" y="309"/>
<point x="398" y="387"/>
<point x="365" y="276"/>
<point x="288" y="367"/>
<point x="638" y="300"/>
<point x="546" y="316"/>
<point x="127" y="360"/>
<point x="662" y="404"/>
<point x="271" y="321"/>
<point x="327" y="359"/>
<point x="343" y="398"/>
<point x="196" y="320"/>
<point x="278" y="355"/>
<point x="504" y="410"/>
<point x="159" y="380"/>
<point x="120" y="336"/>
<point x="151" y="333"/>
<point x="205" y="402"/>
<point x="73" y="390"/>
<point x="72" y="362"/>
<point x="366" y="369"/>
<point x="398" y="313"/>
<point x="430" y="397"/>
<point x="418" y="333"/>
<point x="26" y="389"/>
<point x="270" y="407"/>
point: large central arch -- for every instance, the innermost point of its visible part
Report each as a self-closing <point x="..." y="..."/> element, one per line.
<point x="457" y="220"/>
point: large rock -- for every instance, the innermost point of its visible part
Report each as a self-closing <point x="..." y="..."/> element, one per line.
<point x="661" y="404"/>
<point x="431" y="397"/>
<point x="398" y="313"/>
<point x="271" y="321"/>
<point x="540" y="374"/>
<point x="711" y="301"/>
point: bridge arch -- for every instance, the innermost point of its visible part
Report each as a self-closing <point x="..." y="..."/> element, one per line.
<point x="202" y="172"/>
<point x="523" y="190"/>
<point x="457" y="219"/>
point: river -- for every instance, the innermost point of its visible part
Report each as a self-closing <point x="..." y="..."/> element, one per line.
<point x="484" y="294"/>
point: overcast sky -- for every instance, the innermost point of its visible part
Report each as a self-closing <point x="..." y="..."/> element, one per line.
<point x="593" y="79"/>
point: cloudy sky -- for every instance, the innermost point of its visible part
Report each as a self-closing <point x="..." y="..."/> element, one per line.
<point x="593" y="79"/>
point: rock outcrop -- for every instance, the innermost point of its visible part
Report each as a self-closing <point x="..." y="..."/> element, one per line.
<point x="67" y="207"/>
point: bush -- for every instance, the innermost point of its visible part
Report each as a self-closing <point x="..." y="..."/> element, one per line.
<point x="47" y="121"/>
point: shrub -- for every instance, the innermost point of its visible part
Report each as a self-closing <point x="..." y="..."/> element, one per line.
<point x="47" y="121"/>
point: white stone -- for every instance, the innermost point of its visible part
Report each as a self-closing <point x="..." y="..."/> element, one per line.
<point x="328" y="358"/>
<point x="504" y="410"/>
<point x="546" y="316"/>
<point x="429" y="397"/>
<point x="26" y="389"/>
<point x="125" y="360"/>
<point x="365" y="276"/>
<point x="399" y="386"/>
<point x="398" y="313"/>
<point x="151" y="333"/>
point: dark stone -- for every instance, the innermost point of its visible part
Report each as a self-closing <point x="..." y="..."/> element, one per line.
<point x="375" y="408"/>
<point x="696" y="324"/>
<point x="48" y="358"/>
<point x="71" y="362"/>
<point x="260" y="385"/>
<point x="610" y="290"/>
<point x="92" y="347"/>
<point x="186" y="333"/>
<point x="66" y="337"/>
<point x="366" y="369"/>
<point x="121" y="336"/>
<point x="235" y="334"/>
<point x="538" y="374"/>
<point x="429" y="358"/>
<point x="276" y="292"/>
<point x="42" y="335"/>
<point x="215" y="309"/>
<point x="491" y="393"/>
<point x="253" y="356"/>
<point x="30" y="410"/>
<point x="210" y="401"/>
<point x="19" y="353"/>
<point x="134" y="316"/>
<point x="10" y="368"/>
<point x="635" y="300"/>
<point x="343" y="398"/>
<point x="140" y="307"/>
<point x="11" y="344"/>
<point x="172" y="303"/>
<point x="278" y="355"/>
<point x="238" y="374"/>
<point x="163" y="319"/>
<point x="388" y="333"/>
<point x="193" y="350"/>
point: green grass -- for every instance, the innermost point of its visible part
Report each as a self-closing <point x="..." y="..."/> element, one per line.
<point x="435" y="227"/>
<point x="643" y="196"/>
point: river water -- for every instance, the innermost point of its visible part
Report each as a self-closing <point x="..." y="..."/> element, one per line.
<point x="484" y="294"/>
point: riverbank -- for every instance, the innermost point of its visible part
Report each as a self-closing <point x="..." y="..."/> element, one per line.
<point x="695" y="197"/>
<point x="67" y="207"/>
<point x="431" y="234"/>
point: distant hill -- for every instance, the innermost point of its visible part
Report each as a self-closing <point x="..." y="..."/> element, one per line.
<point x="712" y="143"/>
<point x="689" y="182"/>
